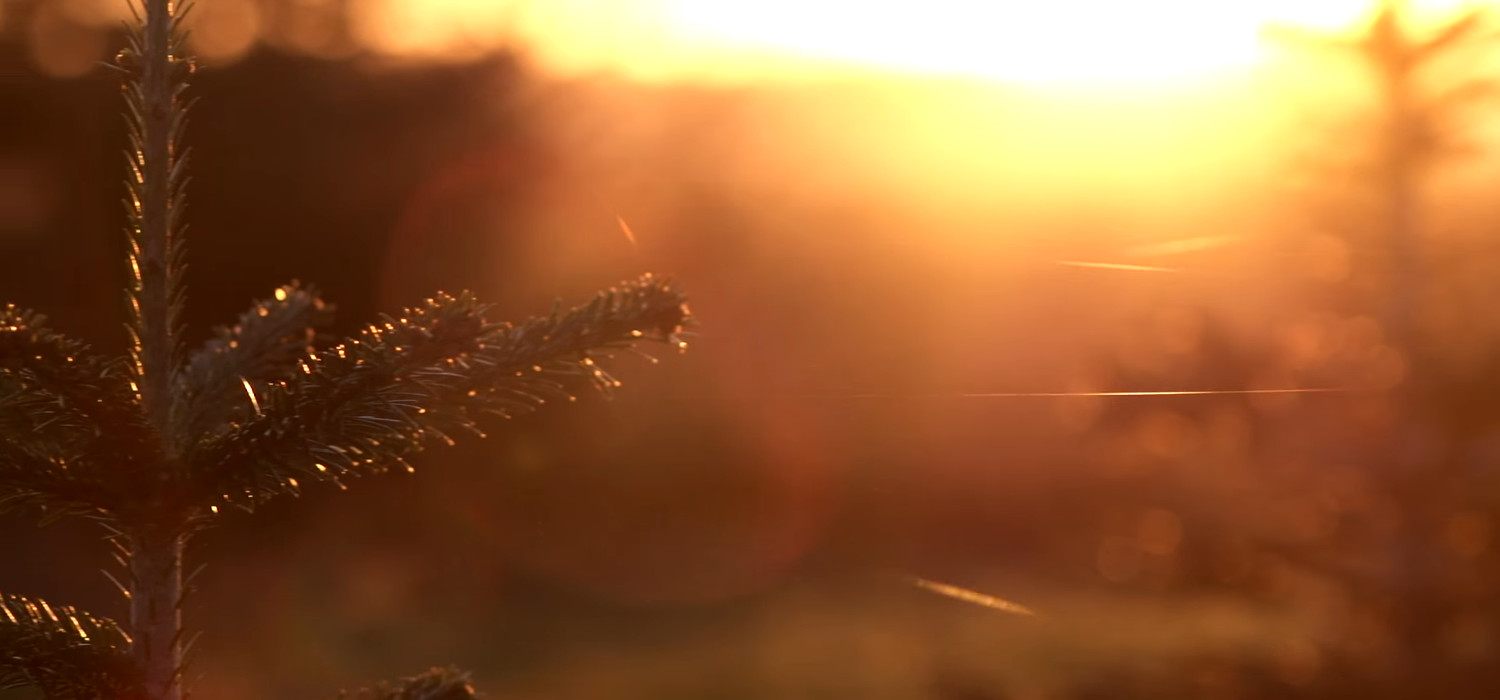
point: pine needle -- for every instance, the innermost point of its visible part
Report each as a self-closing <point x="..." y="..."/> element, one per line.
<point x="63" y="652"/>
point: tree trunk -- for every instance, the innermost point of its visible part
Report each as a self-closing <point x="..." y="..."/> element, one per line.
<point x="1404" y="159"/>
<point x="155" y="608"/>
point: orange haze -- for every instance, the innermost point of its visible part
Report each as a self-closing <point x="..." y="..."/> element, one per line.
<point x="1051" y="41"/>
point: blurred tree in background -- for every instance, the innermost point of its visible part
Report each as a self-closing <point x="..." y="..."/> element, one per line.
<point x="1371" y="510"/>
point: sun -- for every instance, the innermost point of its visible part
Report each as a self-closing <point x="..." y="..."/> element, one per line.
<point x="1054" y="41"/>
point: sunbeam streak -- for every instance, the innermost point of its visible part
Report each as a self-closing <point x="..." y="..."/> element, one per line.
<point x="969" y="596"/>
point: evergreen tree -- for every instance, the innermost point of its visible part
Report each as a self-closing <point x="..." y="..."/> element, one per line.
<point x="156" y="445"/>
<point x="1415" y="133"/>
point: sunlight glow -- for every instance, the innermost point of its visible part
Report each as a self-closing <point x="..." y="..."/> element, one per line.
<point x="1036" y="42"/>
<point x="1028" y="41"/>
<point x="1032" y="41"/>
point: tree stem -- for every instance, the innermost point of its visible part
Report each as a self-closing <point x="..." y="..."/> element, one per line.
<point x="155" y="608"/>
<point x="155" y="541"/>
<point x="160" y="113"/>
<point x="1404" y="158"/>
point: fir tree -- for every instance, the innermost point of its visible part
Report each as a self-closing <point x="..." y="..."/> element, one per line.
<point x="156" y="445"/>
<point x="1415" y="134"/>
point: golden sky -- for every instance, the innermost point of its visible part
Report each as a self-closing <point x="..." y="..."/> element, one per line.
<point x="1051" y="41"/>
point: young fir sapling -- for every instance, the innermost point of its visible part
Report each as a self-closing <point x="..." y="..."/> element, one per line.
<point x="156" y="445"/>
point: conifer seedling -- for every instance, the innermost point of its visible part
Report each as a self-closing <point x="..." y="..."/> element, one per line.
<point x="156" y="445"/>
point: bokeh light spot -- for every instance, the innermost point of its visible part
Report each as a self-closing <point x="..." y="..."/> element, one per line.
<point x="1328" y="259"/>
<point x="1469" y="638"/>
<point x="223" y="30"/>
<point x="1119" y="559"/>
<point x="1167" y="434"/>
<point x="61" y="47"/>
<point x="1159" y="532"/>
<point x="1468" y="533"/>
<point x="1298" y="661"/>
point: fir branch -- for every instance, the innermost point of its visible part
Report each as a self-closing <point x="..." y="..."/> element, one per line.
<point x="264" y="346"/>
<point x="89" y="386"/>
<point x="434" y="684"/>
<point x="71" y="438"/>
<point x="49" y="488"/>
<point x="361" y="407"/>
<point x="65" y="653"/>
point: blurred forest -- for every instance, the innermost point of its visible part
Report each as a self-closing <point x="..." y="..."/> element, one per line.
<point x="912" y="292"/>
